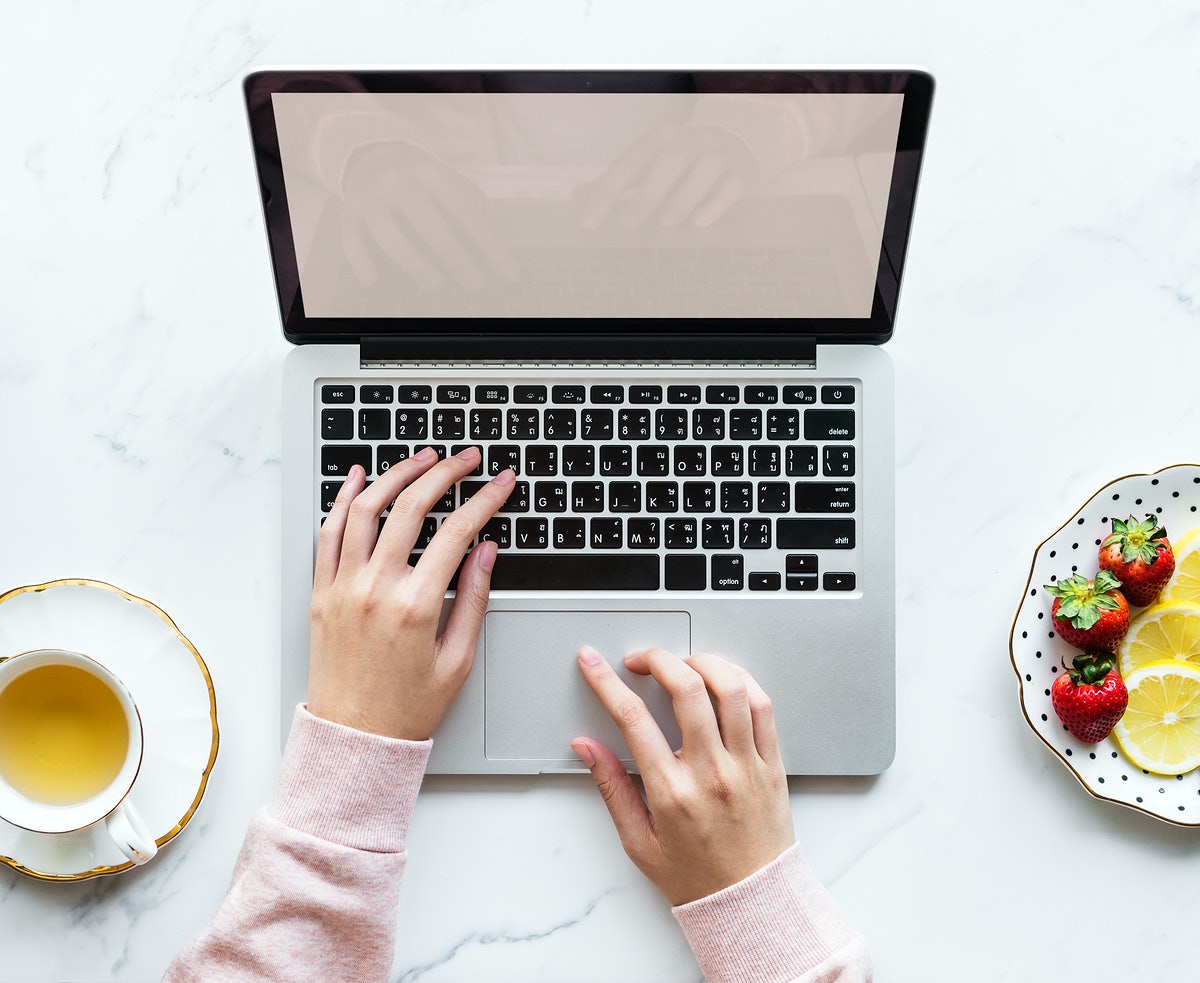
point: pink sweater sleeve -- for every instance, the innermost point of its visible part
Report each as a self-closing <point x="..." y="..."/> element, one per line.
<point x="316" y="884"/>
<point x="779" y="925"/>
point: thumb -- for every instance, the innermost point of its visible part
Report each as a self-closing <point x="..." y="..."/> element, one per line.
<point x="625" y="806"/>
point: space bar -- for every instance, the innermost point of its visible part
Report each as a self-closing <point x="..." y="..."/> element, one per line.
<point x="575" y="571"/>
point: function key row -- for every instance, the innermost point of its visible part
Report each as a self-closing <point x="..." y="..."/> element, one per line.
<point x="566" y="395"/>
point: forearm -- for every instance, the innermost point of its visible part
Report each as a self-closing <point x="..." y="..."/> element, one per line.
<point x="779" y="925"/>
<point x="315" y="887"/>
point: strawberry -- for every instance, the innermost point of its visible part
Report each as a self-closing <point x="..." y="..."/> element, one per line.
<point x="1090" y="696"/>
<point x="1089" y="614"/>
<point x="1139" y="555"/>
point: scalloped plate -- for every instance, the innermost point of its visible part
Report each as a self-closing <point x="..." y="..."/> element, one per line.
<point x="175" y="697"/>
<point x="1036" y="651"/>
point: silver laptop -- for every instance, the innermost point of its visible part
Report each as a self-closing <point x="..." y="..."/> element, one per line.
<point x="660" y="296"/>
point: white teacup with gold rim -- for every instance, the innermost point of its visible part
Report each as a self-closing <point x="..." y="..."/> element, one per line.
<point x="70" y="749"/>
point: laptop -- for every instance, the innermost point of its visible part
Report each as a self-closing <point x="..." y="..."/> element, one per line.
<point x="660" y="296"/>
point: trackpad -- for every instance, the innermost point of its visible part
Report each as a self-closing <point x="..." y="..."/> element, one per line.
<point x="535" y="698"/>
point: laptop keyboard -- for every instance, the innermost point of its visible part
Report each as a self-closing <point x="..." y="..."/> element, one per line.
<point x="725" y="487"/>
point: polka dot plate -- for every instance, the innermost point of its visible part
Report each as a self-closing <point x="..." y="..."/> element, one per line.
<point x="1037" y="652"/>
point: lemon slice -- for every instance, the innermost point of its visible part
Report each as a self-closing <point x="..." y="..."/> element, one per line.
<point x="1160" y="730"/>
<point x="1184" y="585"/>
<point x="1161" y="631"/>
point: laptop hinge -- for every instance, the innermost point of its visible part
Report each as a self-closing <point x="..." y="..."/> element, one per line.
<point x="534" y="349"/>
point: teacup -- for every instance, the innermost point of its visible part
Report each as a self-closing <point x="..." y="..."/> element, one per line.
<point x="70" y="749"/>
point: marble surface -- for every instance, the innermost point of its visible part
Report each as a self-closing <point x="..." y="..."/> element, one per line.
<point x="1048" y="341"/>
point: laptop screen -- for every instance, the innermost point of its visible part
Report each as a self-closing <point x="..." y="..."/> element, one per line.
<point x="617" y="201"/>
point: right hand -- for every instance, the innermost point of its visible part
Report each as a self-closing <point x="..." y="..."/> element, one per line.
<point x="717" y="809"/>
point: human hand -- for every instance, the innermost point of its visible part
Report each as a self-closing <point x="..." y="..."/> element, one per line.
<point x="677" y="173"/>
<point x="423" y="216"/>
<point x="717" y="809"/>
<point x="377" y="663"/>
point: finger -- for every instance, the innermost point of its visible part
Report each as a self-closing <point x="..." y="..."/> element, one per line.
<point x="329" y="542"/>
<point x="445" y="551"/>
<point x="397" y="246"/>
<point x="399" y="536"/>
<point x="689" y="697"/>
<point x="629" y="813"/>
<point x="628" y="710"/>
<point x="362" y="525"/>
<point x="461" y="632"/>
<point x="695" y="186"/>
<point x="730" y="699"/>
<point x="762" y="715"/>
<point x="724" y="198"/>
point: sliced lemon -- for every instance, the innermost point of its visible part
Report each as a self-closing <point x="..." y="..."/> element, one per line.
<point x="1184" y="585"/>
<point x="1160" y="730"/>
<point x="1161" y="631"/>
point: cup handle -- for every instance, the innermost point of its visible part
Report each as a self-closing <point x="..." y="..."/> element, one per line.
<point x="128" y="831"/>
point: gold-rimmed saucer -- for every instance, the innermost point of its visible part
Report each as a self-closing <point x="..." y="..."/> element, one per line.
<point x="140" y="643"/>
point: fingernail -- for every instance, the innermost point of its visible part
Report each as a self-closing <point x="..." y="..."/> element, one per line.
<point x="505" y="477"/>
<point x="589" y="656"/>
<point x="583" y="749"/>
<point x="468" y="453"/>
<point x="425" y="454"/>
<point x="487" y="556"/>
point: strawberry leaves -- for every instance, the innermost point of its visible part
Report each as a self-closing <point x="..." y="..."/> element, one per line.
<point x="1137" y="540"/>
<point x="1083" y="601"/>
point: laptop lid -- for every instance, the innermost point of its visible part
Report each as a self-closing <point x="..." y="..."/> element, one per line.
<point x="611" y="213"/>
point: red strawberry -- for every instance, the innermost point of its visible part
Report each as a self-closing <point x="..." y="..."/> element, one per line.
<point x="1089" y="614"/>
<point x="1139" y="555"/>
<point x="1090" y="697"/>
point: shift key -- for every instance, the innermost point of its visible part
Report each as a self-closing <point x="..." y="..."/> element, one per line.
<point x="814" y="534"/>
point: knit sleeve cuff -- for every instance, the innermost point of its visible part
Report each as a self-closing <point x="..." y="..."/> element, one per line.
<point x="776" y="924"/>
<point x="347" y="786"/>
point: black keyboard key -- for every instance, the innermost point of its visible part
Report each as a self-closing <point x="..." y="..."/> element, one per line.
<point x="569" y="534"/>
<point x="814" y="534"/>
<point x="497" y="530"/>
<point x="550" y="496"/>
<point x="579" y="460"/>
<point x="487" y="424"/>
<point x="624" y="496"/>
<point x="726" y="461"/>
<point x="764" y="460"/>
<point x="329" y="491"/>
<point x="679" y="534"/>
<point x="662" y="496"/>
<point x="801" y="563"/>
<point x="529" y="394"/>
<point x="683" y="394"/>
<point x="708" y="424"/>
<point x="838" y="461"/>
<point x="412" y="424"/>
<point x="728" y="571"/>
<point x="716" y="534"/>
<point x="467" y="489"/>
<point x="456" y="449"/>
<point x="438" y="449"/>
<point x="837" y="394"/>
<point x="824" y="496"/>
<point x="653" y="461"/>
<point x="799" y="394"/>
<point x="541" y="460"/>
<point x="587" y="496"/>
<point x="645" y="395"/>
<point x="568" y="394"/>
<point x="448" y="424"/>
<point x="699" y="496"/>
<point x="606" y="533"/>
<point x="761" y="394"/>
<point x="745" y="424"/>
<point x="523" y="424"/>
<point x="533" y="533"/>
<point x="389" y="455"/>
<point x="576" y="571"/>
<point x="413" y="395"/>
<point x="337" y="424"/>
<point x="338" y="459"/>
<point x="558" y="425"/>
<point x="754" y="534"/>
<point x="737" y="496"/>
<point x="607" y="394"/>
<point x="634" y="425"/>
<point x="616" y="460"/>
<point x="764" y="581"/>
<point x="504" y="457"/>
<point x="839" y="581"/>
<point x="670" y="424"/>
<point x="690" y="460"/>
<point x="518" y="499"/>
<point x="642" y="534"/>
<point x="376" y="394"/>
<point x="721" y="394"/>
<point x="801" y="581"/>
<point x="783" y="425"/>
<point x="337" y="394"/>
<point x="375" y="424"/>
<point x="773" y="496"/>
<point x="596" y="424"/>
<point x="685" y="572"/>
<point x="802" y="460"/>
<point x="491" y="394"/>
<point x="454" y="394"/>
<point x="829" y="424"/>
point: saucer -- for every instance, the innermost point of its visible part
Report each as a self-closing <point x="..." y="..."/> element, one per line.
<point x="170" y="682"/>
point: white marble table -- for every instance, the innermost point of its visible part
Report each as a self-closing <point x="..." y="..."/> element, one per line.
<point x="1056" y="248"/>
